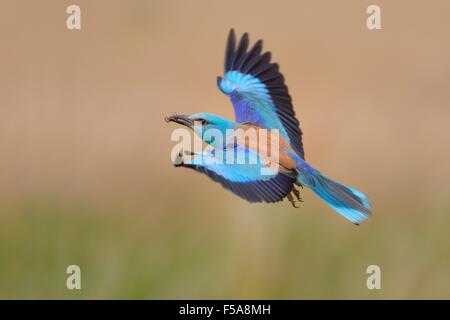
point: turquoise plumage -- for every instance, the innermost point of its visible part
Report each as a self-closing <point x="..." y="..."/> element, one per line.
<point x="261" y="100"/>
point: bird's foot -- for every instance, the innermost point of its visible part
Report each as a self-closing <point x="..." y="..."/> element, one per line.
<point x="297" y="194"/>
<point x="292" y="200"/>
<point x="294" y="197"/>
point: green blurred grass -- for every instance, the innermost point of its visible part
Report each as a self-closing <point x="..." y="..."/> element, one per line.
<point x="82" y="116"/>
<point x="234" y="252"/>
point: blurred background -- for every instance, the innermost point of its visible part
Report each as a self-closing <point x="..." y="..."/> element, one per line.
<point x="86" y="176"/>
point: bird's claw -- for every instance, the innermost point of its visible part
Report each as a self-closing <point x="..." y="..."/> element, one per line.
<point x="291" y="200"/>
<point x="296" y="193"/>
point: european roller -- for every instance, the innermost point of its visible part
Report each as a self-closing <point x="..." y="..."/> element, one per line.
<point x="261" y="101"/>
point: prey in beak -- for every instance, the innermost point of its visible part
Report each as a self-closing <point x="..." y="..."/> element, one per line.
<point x="182" y="119"/>
<point x="183" y="156"/>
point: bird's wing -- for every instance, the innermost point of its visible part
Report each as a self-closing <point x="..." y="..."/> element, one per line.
<point x="243" y="179"/>
<point x="257" y="90"/>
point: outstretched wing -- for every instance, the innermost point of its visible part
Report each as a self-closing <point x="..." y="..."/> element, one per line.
<point x="250" y="180"/>
<point x="257" y="90"/>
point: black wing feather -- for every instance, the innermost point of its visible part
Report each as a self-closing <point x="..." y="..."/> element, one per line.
<point x="272" y="190"/>
<point x="258" y="64"/>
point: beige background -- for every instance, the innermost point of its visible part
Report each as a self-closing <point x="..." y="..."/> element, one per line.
<point x="86" y="176"/>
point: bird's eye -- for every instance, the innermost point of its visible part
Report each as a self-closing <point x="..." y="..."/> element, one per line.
<point x="202" y="121"/>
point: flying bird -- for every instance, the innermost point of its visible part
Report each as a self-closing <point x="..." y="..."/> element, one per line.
<point x="261" y="100"/>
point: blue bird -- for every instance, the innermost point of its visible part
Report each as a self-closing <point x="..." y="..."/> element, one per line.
<point x="261" y="100"/>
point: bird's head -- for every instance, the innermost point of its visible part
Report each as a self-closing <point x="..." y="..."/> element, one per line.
<point x="207" y="126"/>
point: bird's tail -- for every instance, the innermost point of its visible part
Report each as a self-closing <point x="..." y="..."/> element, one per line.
<point x="349" y="202"/>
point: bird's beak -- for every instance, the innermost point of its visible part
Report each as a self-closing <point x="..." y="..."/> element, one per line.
<point x="182" y="119"/>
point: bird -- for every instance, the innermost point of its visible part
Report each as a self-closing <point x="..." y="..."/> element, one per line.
<point x="261" y="101"/>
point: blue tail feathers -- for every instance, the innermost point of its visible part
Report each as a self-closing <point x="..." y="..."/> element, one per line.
<point x="349" y="202"/>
